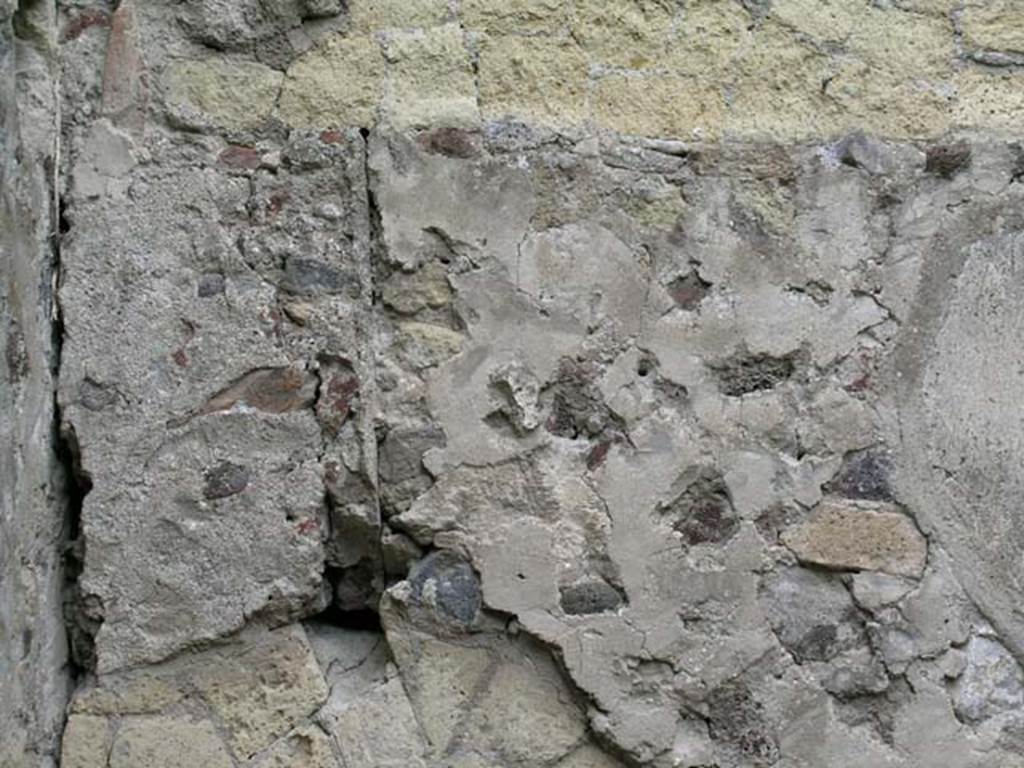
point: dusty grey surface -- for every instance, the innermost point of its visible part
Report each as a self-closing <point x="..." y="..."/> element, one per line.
<point x="34" y="677"/>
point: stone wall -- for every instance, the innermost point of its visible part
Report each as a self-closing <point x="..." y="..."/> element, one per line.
<point x="555" y="383"/>
<point x="34" y="501"/>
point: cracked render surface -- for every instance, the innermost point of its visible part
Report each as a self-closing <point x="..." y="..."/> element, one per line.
<point x="429" y="419"/>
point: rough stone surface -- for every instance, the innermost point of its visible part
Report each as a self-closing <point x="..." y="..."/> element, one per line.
<point x="150" y="742"/>
<point x="219" y="706"/>
<point x="227" y="94"/>
<point x="541" y="383"/>
<point x="858" y="538"/>
<point x="35" y="508"/>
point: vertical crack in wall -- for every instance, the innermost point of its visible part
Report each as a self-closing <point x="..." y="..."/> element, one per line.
<point x="81" y="623"/>
<point x="441" y="596"/>
<point x="376" y="243"/>
<point x="71" y="482"/>
<point x="36" y="506"/>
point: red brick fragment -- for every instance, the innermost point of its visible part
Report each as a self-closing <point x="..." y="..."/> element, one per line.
<point x="91" y="17"/>
<point x="235" y="156"/>
<point x="332" y="137"/>
<point x="125" y="91"/>
<point x="598" y="454"/>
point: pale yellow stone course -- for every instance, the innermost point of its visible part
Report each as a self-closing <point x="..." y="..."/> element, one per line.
<point x="903" y="45"/>
<point x="710" y="34"/>
<point x="661" y="105"/>
<point x="430" y="79"/>
<point x="989" y="101"/>
<point x="370" y="16"/>
<point x="886" y="106"/>
<point x="515" y="17"/>
<point x="540" y="79"/>
<point x="776" y="88"/>
<point x="338" y="83"/>
<point x="995" y="25"/>
<point x="636" y="35"/>
<point x="822" y="20"/>
<point x="228" y="93"/>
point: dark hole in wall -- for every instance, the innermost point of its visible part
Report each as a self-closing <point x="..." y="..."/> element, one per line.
<point x="363" y="620"/>
<point x="82" y="618"/>
<point x="28" y="19"/>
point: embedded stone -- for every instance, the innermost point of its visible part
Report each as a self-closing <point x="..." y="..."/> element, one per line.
<point x="946" y="160"/>
<point x="309" y="277"/>
<point x="274" y="390"/>
<point x="590" y="597"/>
<point x="401" y="452"/>
<point x="448" y="583"/>
<point x="992" y="681"/>
<point x="688" y="290"/>
<point x="812" y="614"/>
<point x="744" y="373"/>
<point x="737" y="718"/>
<point x="210" y="284"/>
<point x="847" y="537"/>
<point x="703" y="513"/>
<point x="125" y="82"/>
<point x="450" y="142"/>
<point x="428" y="345"/>
<point x="245" y="158"/>
<point x="409" y="293"/>
<point x="520" y="391"/>
<point x="225" y="479"/>
<point x="96" y="396"/>
<point x="864" y="475"/>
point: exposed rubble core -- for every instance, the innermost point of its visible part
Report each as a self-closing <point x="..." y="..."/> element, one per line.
<point x="523" y="384"/>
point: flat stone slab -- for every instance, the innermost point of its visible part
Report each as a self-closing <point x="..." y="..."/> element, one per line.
<point x="858" y="538"/>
